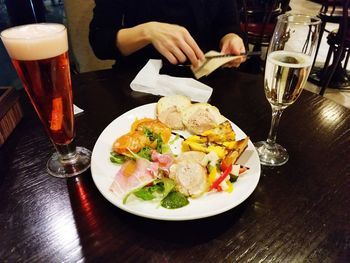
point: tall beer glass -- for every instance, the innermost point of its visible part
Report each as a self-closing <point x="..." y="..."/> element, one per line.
<point x="39" y="53"/>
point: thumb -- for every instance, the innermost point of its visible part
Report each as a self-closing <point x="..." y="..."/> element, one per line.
<point x="225" y="48"/>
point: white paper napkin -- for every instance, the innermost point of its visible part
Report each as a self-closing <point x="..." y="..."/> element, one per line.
<point x="149" y="80"/>
<point x="77" y="110"/>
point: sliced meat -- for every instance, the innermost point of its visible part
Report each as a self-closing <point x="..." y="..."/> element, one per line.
<point x="172" y="117"/>
<point x="190" y="177"/>
<point x="133" y="174"/>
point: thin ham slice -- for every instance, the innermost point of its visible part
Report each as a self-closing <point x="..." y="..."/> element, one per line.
<point x="143" y="173"/>
<point x="164" y="160"/>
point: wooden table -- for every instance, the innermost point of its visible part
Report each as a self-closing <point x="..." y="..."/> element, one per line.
<point x="299" y="212"/>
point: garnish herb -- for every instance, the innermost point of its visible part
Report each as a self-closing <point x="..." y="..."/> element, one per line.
<point x="161" y="147"/>
<point x="144" y="194"/>
<point x="177" y="136"/>
<point x="168" y="186"/>
<point x="159" y="188"/>
<point x="145" y="153"/>
<point x="160" y="143"/>
<point x="149" y="134"/>
<point x="150" y="192"/>
<point x="233" y="178"/>
<point x="174" y="200"/>
<point x="166" y="148"/>
<point x="117" y="158"/>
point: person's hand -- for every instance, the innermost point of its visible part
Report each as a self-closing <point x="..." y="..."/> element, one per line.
<point x="174" y="42"/>
<point x="233" y="44"/>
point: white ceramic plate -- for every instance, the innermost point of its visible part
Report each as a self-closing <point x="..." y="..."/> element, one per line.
<point x="103" y="173"/>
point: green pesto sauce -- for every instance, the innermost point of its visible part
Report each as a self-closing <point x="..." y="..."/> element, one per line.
<point x="174" y="200"/>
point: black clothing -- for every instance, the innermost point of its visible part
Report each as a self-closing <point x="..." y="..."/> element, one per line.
<point x="206" y="20"/>
<point x="23" y="12"/>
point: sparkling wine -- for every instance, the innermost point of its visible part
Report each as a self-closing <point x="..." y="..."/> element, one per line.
<point x="285" y="76"/>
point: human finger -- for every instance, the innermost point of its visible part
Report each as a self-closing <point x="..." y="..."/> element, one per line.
<point x="189" y="53"/>
<point x="197" y="52"/>
<point x="179" y="54"/>
<point x="235" y="62"/>
<point x="168" y="55"/>
<point x="232" y="44"/>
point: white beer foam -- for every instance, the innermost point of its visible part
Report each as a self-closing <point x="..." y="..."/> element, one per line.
<point x="35" y="41"/>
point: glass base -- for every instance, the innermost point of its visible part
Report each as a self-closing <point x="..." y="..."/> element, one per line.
<point x="271" y="154"/>
<point x="76" y="165"/>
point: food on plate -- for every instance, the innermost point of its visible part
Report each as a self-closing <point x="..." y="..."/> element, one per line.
<point x="201" y="163"/>
<point x="200" y="117"/>
<point x="178" y="112"/>
<point x="145" y="132"/>
<point x="191" y="155"/>
<point x="133" y="174"/>
<point x="156" y="127"/>
<point x="221" y="133"/>
<point x="197" y="144"/>
<point x="189" y="174"/>
<point x="169" y="110"/>
<point x="220" y="139"/>
<point x="232" y="156"/>
<point x="133" y="141"/>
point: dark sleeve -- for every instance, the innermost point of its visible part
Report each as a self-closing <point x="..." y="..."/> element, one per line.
<point x="106" y="22"/>
<point x="227" y="19"/>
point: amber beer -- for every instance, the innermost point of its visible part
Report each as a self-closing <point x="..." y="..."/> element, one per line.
<point x="39" y="53"/>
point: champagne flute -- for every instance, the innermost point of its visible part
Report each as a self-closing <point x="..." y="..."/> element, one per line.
<point x="39" y="52"/>
<point x="288" y="64"/>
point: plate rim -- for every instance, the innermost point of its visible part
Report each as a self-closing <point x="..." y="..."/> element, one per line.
<point x="167" y="218"/>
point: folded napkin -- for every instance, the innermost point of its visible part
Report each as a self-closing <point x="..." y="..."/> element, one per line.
<point x="149" y="80"/>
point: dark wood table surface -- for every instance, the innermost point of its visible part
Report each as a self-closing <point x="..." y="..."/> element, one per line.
<point x="299" y="212"/>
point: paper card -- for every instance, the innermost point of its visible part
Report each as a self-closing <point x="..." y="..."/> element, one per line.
<point x="211" y="64"/>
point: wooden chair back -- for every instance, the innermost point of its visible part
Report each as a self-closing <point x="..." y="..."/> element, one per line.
<point x="339" y="43"/>
<point x="258" y="19"/>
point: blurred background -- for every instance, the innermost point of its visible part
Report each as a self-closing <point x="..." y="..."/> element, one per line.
<point x="29" y="12"/>
<point x="77" y="14"/>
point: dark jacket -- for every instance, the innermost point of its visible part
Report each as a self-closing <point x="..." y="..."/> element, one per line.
<point x="206" y="20"/>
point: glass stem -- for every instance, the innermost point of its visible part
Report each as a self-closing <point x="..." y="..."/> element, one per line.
<point x="67" y="152"/>
<point x="276" y="116"/>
